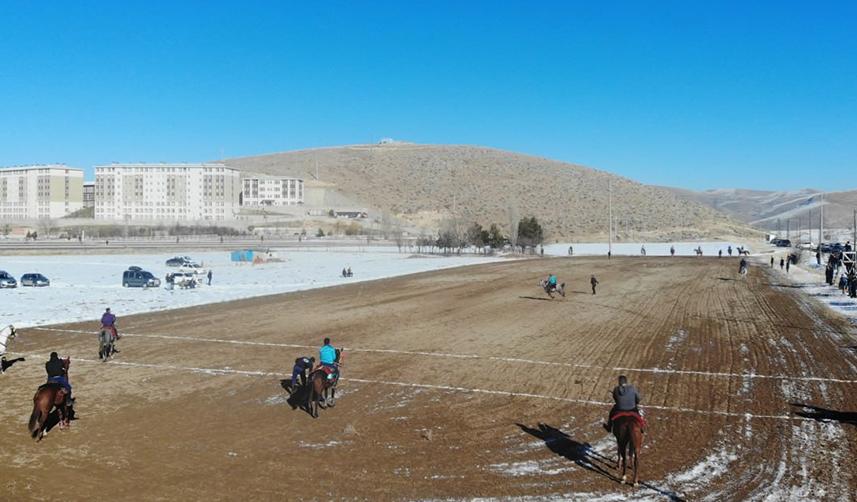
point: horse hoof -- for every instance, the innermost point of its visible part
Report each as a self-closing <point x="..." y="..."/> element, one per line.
<point x="624" y="479"/>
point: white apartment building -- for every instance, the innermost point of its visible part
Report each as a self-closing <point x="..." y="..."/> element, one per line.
<point x="272" y="191"/>
<point x="166" y="192"/>
<point x="35" y="192"/>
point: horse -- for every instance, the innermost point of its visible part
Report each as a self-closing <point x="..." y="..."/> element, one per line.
<point x="105" y="344"/>
<point x="543" y="283"/>
<point x="629" y="440"/>
<point x="319" y="385"/>
<point x="6" y="335"/>
<point x="742" y="271"/>
<point x="49" y="396"/>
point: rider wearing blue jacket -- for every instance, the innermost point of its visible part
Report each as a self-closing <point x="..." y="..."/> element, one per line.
<point x="552" y="281"/>
<point x="327" y="354"/>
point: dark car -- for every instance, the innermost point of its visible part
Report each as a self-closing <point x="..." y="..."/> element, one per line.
<point x="178" y="261"/>
<point x="34" y="280"/>
<point x="782" y="243"/>
<point x="7" y="281"/>
<point x="136" y="277"/>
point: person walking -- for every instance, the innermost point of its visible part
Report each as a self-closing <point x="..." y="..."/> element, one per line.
<point x="594" y="282"/>
<point x="772" y="262"/>
<point x="209" y="277"/>
<point x="782" y="262"/>
<point x="788" y="263"/>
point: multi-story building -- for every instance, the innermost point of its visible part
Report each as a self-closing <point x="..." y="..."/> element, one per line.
<point x="88" y="194"/>
<point x="36" y="192"/>
<point x="272" y="191"/>
<point x="166" y="192"/>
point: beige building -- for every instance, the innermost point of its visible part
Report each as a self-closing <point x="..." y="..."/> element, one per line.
<point x="271" y="191"/>
<point x="36" y="192"/>
<point x="166" y="192"/>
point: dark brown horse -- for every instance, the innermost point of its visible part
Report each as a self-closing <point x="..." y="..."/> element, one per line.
<point x="49" y="396"/>
<point x="319" y="387"/>
<point x="629" y="439"/>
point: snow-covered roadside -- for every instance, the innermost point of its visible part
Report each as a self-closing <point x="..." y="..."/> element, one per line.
<point x="82" y="286"/>
<point x="652" y="248"/>
<point x="809" y="276"/>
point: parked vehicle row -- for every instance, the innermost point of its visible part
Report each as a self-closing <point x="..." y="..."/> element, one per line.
<point x="32" y="280"/>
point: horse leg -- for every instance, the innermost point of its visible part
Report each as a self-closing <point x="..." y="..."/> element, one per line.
<point x="638" y="445"/>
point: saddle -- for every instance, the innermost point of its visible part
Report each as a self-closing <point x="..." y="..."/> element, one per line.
<point x="641" y="421"/>
<point x="330" y="373"/>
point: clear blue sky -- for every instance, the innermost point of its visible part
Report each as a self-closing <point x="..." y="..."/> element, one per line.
<point x="691" y="94"/>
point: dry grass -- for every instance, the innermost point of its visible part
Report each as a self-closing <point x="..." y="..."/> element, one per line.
<point x="423" y="184"/>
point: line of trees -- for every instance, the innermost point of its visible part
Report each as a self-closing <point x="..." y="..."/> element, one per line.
<point x="528" y="233"/>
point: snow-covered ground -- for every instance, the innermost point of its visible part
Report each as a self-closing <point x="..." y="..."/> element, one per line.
<point x="809" y="275"/>
<point x="83" y="286"/>
<point x="652" y="248"/>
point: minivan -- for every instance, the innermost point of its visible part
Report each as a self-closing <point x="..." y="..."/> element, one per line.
<point x="136" y="277"/>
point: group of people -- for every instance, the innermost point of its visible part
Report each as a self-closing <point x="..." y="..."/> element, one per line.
<point x="552" y="281"/>
<point x="306" y="365"/>
<point x="346" y="272"/>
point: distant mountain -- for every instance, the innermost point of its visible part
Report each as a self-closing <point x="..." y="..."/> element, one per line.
<point x="768" y="210"/>
<point x="426" y="184"/>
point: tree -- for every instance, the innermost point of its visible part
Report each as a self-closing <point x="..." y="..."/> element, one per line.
<point x="320" y="233"/>
<point x="512" y="213"/>
<point x="495" y="237"/>
<point x="530" y="232"/>
<point x="475" y="235"/>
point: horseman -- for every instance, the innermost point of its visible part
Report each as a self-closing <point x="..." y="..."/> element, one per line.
<point x="327" y="359"/>
<point x="57" y="370"/>
<point x="551" y="283"/>
<point x="625" y="399"/>
<point x="108" y="322"/>
<point x="742" y="267"/>
<point x="6" y="335"/>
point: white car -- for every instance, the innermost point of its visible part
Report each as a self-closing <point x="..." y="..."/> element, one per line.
<point x="7" y="281"/>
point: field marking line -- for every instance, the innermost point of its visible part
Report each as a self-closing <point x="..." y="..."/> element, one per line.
<point x="449" y="388"/>
<point x="489" y="358"/>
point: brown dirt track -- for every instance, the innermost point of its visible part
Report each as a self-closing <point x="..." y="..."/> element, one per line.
<point x="155" y="426"/>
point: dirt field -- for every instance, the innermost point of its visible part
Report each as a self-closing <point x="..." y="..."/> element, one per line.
<point x="458" y="384"/>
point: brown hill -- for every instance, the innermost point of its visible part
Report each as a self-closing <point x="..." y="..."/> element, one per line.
<point x="425" y="184"/>
<point x="770" y="210"/>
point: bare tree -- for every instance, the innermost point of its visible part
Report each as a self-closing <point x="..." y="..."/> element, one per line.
<point x="512" y="213"/>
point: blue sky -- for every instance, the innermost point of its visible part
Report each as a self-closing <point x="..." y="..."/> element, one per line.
<point x="691" y="94"/>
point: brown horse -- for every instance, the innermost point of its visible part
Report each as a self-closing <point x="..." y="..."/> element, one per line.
<point x="319" y="385"/>
<point x="49" y="396"/>
<point x="629" y="439"/>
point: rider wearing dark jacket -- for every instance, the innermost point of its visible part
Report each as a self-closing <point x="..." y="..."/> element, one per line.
<point x="56" y="371"/>
<point x="625" y="398"/>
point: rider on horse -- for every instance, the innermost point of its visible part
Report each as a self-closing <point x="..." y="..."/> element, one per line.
<point x="108" y="322"/>
<point x="57" y="370"/>
<point x="626" y="399"/>
<point x="551" y="284"/>
<point x="327" y="358"/>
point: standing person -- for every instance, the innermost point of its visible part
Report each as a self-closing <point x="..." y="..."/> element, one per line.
<point x="782" y="262"/>
<point x="772" y="261"/>
<point x="594" y="282"/>
<point x="729" y="249"/>
<point x="788" y="263"/>
<point x="643" y="250"/>
<point x="609" y="254"/>
<point x="720" y="253"/>
<point x="818" y="257"/>
<point x="672" y="250"/>
<point x="209" y="277"/>
<point x="570" y="250"/>
<point x="300" y="371"/>
<point x="843" y="284"/>
<point x="852" y="284"/>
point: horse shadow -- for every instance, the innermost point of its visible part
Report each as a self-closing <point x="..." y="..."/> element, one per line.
<point x="536" y="298"/>
<point x="820" y="414"/>
<point x="584" y="456"/>
<point x="8" y="364"/>
<point x="297" y="397"/>
<point x="563" y="445"/>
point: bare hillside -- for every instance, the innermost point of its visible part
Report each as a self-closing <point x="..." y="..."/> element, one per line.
<point x="767" y="210"/>
<point x="424" y="184"/>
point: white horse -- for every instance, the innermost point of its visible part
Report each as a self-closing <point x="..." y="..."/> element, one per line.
<point x="6" y="334"/>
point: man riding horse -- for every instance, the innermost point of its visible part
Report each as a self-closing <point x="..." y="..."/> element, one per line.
<point x="108" y="322"/>
<point x="626" y="401"/>
<point x="57" y="370"/>
<point x="6" y="335"/>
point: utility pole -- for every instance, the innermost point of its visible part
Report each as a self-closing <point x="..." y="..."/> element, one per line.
<point x="809" y="226"/>
<point x="789" y="228"/>
<point x="821" y="222"/>
<point x="609" y="218"/>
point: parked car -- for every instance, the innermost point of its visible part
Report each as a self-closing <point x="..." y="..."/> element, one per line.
<point x="7" y="281"/>
<point x="178" y="261"/>
<point x="136" y="277"/>
<point x="782" y="243"/>
<point x="34" y="280"/>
